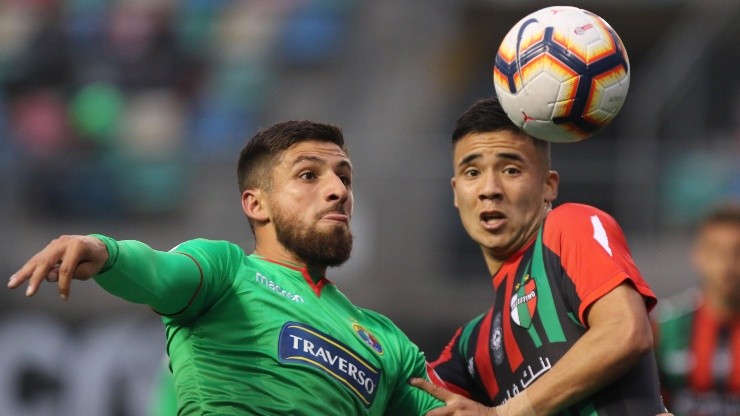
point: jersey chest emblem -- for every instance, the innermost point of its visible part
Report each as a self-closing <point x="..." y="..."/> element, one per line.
<point x="497" y="340"/>
<point x="524" y="302"/>
<point x="368" y="338"/>
<point x="301" y="344"/>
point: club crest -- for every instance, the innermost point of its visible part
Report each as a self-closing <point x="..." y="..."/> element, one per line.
<point x="368" y="338"/>
<point x="524" y="302"/>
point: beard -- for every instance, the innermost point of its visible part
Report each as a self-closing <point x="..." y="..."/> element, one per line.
<point x="329" y="248"/>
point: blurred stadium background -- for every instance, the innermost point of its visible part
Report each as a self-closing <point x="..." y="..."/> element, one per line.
<point x="125" y="118"/>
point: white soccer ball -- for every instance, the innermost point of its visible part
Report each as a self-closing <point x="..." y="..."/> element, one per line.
<point x="561" y="74"/>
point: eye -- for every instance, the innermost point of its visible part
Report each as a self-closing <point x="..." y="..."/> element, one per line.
<point x="346" y="180"/>
<point x="471" y="172"/>
<point x="307" y="175"/>
<point x="511" y="170"/>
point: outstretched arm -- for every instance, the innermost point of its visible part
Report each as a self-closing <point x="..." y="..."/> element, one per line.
<point x="166" y="281"/>
<point x="63" y="259"/>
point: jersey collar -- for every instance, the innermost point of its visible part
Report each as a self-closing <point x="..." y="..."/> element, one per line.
<point x="316" y="286"/>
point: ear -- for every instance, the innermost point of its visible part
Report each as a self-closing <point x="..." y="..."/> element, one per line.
<point x="551" y="186"/>
<point x="255" y="206"/>
<point x="454" y="193"/>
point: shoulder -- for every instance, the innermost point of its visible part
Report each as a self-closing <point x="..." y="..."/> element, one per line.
<point x="378" y="318"/>
<point x="203" y="244"/>
<point x="470" y="329"/>
<point x="214" y="252"/>
<point x="383" y="335"/>
<point x="574" y="220"/>
<point x="474" y="322"/>
<point x="572" y="214"/>
<point x="572" y="208"/>
<point x="375" y="322"/>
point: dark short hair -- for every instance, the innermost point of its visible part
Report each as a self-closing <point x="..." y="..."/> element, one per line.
<point x="727" y="213"/>
<point x="486" y="116"/>
<point x="263" y="150"/>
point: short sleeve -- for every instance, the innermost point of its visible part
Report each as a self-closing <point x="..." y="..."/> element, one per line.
<point x="594" y="254"/>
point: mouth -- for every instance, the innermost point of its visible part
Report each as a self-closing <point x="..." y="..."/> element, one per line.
<point x="492" y="220"/>
<point x="336" y="215"/>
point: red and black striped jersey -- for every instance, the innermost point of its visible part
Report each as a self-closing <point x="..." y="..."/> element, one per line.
<point x="541" y="295"/>
<point x="698" y="358"/>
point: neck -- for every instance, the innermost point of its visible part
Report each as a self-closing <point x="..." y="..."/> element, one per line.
<point x="493" y="264"/>
<point x="268" y="246"/>
<point x="276" y="252"/>
<point x="494" y="261"/>
<point x="316" y="272"/>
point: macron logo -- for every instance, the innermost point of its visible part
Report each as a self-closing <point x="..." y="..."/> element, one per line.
<point x="264" y="281"/>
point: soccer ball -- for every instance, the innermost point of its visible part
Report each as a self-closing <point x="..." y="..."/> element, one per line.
<point x="561" y="74"/>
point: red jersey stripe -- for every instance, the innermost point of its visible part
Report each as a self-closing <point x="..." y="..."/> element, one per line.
<point x="483" y="363"/>
<point x="510" y="345"/>
<point x="703" y="345"/>
<point x="734" y="382"/>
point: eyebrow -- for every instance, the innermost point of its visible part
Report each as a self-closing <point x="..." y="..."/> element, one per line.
<point x="319" y="160"/>
<point x="503" y="155"/>
<point x="511" y="156"/>
<point x="468" y="159"/>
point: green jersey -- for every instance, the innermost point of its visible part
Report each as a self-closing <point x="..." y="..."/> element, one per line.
<point x="250" y="336"/>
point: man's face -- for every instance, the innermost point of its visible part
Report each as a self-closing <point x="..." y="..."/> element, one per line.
<point x="716" y="256"/>
<point x="502" y="187"/>
<point x="311" y="202"/>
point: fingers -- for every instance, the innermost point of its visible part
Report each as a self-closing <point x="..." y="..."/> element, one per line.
<point x="53" y="275"/>
<point x="64" y="277"/>
<point x="39" y="275"/>
<point x="455" y="404"/>
<point x="40" y="267"/>
<point x="433" y="389"/>
<point x="57" y="262"/>
<point x="34" y="270"/>
<point x="68" y="268"/>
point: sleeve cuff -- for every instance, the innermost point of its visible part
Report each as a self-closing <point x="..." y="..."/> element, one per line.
<point x="112" y="246"/>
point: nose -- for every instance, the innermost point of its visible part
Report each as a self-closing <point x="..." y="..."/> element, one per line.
<point x="337" y="190"/>
<point x="490" y="188"/>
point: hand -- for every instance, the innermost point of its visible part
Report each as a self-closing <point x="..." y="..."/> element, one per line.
<point x="65" y="258"/>
<point x="455" y="404"/>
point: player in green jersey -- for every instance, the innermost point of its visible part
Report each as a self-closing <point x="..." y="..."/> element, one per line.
<point x="265" y="333"/>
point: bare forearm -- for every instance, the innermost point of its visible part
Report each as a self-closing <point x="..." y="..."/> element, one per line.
<point x="601" y="356"/>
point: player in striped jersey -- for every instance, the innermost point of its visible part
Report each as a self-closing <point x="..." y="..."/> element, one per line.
<point x="698" y="332"/>
<point x="568" y="332"/>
